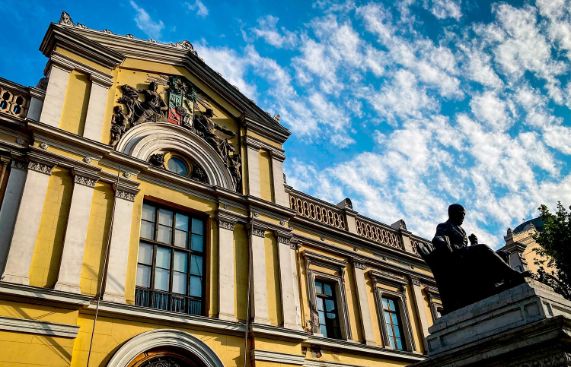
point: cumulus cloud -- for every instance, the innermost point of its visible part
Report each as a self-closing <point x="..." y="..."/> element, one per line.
<point x="267" y="29"/>
<point x="145" y="23"/>
<point x="443" y="9"/>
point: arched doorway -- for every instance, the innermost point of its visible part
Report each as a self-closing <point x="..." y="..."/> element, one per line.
<point x="165" y="357"/>
<point x="164" y="348"/>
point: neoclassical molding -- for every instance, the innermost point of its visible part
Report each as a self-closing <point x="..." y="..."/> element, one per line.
<point x="38" y="327"/>
<point x="84" y="180"/>
<point x="256" y="143"/>
<point x="164" y="338"/>
<point x="325" y="261"/>
<point x="19" y="164"/>
<point x="380" y="276"/>
<point x="66" y="63"/>
<point x="359" y="265"/>
<point x="40" y="167"/>
<point x="125" y="195"/>
<point x="283" y="237"/>
<point x="226" y="224"/>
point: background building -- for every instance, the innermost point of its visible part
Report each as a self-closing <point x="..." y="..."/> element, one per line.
<point x="522" y="247"/>
<point x="145" y="219"/>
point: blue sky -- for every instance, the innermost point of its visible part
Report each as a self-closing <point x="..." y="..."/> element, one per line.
<point x="403" y="106"/>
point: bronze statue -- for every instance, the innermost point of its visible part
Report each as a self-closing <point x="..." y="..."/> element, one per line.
<point x="465" y="273"/>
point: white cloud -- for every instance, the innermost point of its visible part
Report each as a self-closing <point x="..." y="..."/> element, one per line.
<point x="198" y="7"/>
<point x="490" y="109"/>
<point x="267" y="30"/>
<point x="145" y="23"/>
<point x="443" y="9"/>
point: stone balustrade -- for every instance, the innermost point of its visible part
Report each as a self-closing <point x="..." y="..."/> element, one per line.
<point x="379" y="233"/>
<point x="317" y="210"/>
<point x="14" y="99"/>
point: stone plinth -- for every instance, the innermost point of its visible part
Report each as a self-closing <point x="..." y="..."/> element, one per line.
<point x="528" y="325"/>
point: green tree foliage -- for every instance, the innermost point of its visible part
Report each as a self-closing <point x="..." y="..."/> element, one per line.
<point x="555" y="248"/>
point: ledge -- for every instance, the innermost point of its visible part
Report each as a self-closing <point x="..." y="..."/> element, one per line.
<point x="42" y="294"/>
<point x="279" y="332"/>
<point x="351" y="346"/>
<point x="38" y="327"/>
<point x="262" y="355"/>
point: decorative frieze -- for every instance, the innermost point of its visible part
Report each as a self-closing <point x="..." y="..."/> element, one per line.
<point x="225" y="224"/>
<point x="40" y="167"/>
<point x="258" y="232"/>
<point x="85" y="180"/>
<point x="359" y="265"/>
<point x="125" y="195"/>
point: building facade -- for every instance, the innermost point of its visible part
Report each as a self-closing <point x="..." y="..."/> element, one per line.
<point x="145" y="221"/>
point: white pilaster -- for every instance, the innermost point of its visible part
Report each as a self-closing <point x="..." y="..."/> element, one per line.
<point x="36" y="103"/>
<point x="9" y="210"/>
<point x="280" y="195"/>
<point x="76" y="233"/>
<point x="419" y="303"/>
<point x="288" y="280"/>
<point x="55" y="95"/>
<point x="95" y="111"/>
<point x="28" y="219"/>
<point x="253" y="170"/>
<point x="259" y="274"/>
<point x="119" y="247"/>
<point x="365" y="311"/>
<point x="226" y="269"/>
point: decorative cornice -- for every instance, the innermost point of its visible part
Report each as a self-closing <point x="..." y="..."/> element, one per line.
<point x="69" y="64"/>
<point x="323" y="260"/>
<point x="18" y="164"/>
<point x="226" y="224"/>
<point x="359" y="265"/>
<point x="262" y="355"/>
<point x="256" y="143"/>
<point x="380" y="276"/>
<point x="40" y="167"/>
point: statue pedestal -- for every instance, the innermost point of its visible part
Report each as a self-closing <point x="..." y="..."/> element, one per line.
<point x="528" y="325"/>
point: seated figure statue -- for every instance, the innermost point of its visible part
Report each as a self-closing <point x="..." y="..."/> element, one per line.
<point x="465" y="273"/>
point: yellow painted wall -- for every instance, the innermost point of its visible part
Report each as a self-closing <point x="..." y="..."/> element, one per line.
<point x="272" y="278"/>
<point x="19" y="349"/>
<point x="266" y="182"/>
<point x="49" y="243"/>
<point x="76" y="103"/>
<point x="97" y="238"/>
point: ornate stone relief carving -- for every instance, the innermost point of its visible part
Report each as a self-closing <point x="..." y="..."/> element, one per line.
<point x="40" y="167"/>
<point x="182" y="109"/>
<point x="85" y="181"/>
<point x="256" y="231"/>
<point x="157" y="159"/>
<point x="125" y="195"/>
<point x="226" y="224"/>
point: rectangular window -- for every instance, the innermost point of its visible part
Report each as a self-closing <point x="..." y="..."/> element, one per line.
<point x="393" y="323"/>
<point x="325" y="297"/>
<point x="171" y="261"/>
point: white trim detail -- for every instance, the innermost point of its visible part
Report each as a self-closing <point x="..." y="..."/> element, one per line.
<point x="281" y="197"/>
<point x="146" y="139"/>
<point x="226" y="271"/>
<point x="262" y="355"/>
<point x="365" y="311"/>
<point x="260" y="285"/>
<point x="253" y="155"/>
<point x="164" y="338"/>
<point x="29" y="326"/>
<point x="95" y="111"/>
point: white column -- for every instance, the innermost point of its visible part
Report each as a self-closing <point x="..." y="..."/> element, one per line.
<point x="118" y="256"/>
<point x="55" y="95"/>
<point x="226" y="269"/>
<point x="259" y="274"/>
<point x="288" y="277"/>
<point x="76" y="233"/>
<point x="27" y="225"/>
<point x="280" y="195"/>
<point x="420" y="309"/>
<point x="95" y="111"/>
<point x="366" y="322"/>
<point x="9" y="210"/>
<point x="253" y="170"/>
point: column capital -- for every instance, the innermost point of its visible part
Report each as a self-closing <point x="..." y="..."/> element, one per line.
<point x="359" y="264"/>
<point x="283" y="237"/>
<point x="84" y="178"/>
<point x="19" y="164"/>
<point x="125" y="195"/>
<point x="258" y="231"/>
<point x="40" y="167"/>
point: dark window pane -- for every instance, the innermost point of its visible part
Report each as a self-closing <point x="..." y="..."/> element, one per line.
<point x="143" y="276"/>
<point x="179" y="282"/>
<point x="318" y="287"/>
<point x="147" y="230"/>
<point x="164" y="234"/>
<point x="195" y="286"/>
<point x="181" y="222"/>
<point x="197" y="243"/>
<point x="180" y="261"/>
<point x="180" y="238"/>
<point x="148" y="212"/>
<point x="320" y="304"/>
<point x="329" y="305"/>
<point x="162" y="279"/>
<point x="165" y="217"/>
<point x="163" y="258"/>
<point x="327" y="289"/>
<point x="145" y="254"/>
<point x="197" y="226"/>
<point x="196" y="265"/>
<point x="177" y="166"/>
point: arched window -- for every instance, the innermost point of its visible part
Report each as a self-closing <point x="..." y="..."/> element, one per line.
<point x="178" y="165"/>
